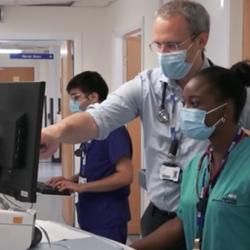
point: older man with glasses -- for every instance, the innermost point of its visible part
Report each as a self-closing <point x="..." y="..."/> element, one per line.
<point x="180" y="34"/>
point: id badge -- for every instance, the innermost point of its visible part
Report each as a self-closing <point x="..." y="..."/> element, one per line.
<point x="76" y="197"/>
<point x="170" y="172"/>
<point x="83" y="160"/>
<point x="82" y="180"/>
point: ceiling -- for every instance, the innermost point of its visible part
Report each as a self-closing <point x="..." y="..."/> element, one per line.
<point x="42" y="45"/>
<point x="29" y="45"/>
<point x="65" y="3"/>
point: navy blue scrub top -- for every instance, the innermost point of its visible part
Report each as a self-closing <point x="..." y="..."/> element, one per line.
<point x="104" y="209"/>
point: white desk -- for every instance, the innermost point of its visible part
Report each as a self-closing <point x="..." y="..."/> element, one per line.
<point x="65" y="237"/>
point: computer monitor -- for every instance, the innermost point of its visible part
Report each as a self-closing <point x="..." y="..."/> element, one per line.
<point x="21" y="110"/>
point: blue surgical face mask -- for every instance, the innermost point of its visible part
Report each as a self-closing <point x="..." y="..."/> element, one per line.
<point x="192" y="123"/>
<point x="74" y="106"/>
<point x="174" y="64"/>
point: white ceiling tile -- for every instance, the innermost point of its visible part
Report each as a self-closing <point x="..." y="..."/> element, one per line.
<point x="76" y="3"/>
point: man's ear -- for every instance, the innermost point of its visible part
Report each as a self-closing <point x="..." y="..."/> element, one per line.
<point x="94" y="97"/>
<point x="203" y="38"/>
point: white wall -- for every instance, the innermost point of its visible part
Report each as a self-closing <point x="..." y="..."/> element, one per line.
<point x="138" y="14"/>
<point x="225" y="42"/>
<point x="235" y="31"/>
<point x="86" y="26"/>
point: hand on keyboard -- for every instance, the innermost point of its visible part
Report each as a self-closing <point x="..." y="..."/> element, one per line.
<point x="47" y="189"/>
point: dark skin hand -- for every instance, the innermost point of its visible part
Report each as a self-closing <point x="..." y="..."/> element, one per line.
<point x="167" y="235"/>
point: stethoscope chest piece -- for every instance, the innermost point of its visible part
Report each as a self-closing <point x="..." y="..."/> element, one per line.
<point x="78" y="152"/>
<point x="163" y="116"/>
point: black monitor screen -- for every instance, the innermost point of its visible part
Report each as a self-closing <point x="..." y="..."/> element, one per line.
<point x="21" y="110"/>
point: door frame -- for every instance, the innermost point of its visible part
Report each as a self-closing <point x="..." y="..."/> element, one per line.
<point x="135" y="125"/>
<point x="246" y="30"/>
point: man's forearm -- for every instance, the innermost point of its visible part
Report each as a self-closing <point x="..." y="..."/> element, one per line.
<point x="123" y="176"/>
<point x="168" y="235"/>
<point x="74" y="129"/>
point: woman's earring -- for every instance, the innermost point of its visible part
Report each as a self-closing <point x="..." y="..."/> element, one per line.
<point x="223" y="119"/>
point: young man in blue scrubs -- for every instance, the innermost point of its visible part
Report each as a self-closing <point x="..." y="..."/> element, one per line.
<point x="105" y="169"/>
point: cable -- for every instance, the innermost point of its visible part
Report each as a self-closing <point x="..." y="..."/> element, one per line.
<point x="45" y="233"/>
<point x="5" y="205"/>
<point x="16" y="205"/>
<point x="61" y="245"/>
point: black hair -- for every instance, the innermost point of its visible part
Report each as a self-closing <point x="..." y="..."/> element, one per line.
<point x="229" y="83"/>
<point x="89" y="82"/>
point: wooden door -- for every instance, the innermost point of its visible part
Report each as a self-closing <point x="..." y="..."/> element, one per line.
<point x="67" y="149"/>
<point x="133" y="67"/>
<point x="246" y="33"/>
<point x="246" y="29"/>
<point x="17" y="74"/>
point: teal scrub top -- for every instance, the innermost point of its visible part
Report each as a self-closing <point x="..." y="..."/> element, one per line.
<point x="227" y="219"/>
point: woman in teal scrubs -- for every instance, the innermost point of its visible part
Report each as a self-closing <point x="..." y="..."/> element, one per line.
<point x="215" y="191"/>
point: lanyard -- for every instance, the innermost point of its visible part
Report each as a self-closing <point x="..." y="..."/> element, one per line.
<point x="174" y="140"/>
<point x="163" y="117"/>
<point x="163" y="97"/>
<point x="81" y="152"/>
<point x="207" y="185"/>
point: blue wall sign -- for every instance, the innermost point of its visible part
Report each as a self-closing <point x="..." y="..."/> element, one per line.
<point x="36" y="56"/>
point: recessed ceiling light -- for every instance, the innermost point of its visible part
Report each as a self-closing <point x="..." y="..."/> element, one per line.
<point x="10" y="51"/>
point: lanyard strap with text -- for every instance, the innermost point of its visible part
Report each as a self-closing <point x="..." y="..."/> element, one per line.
<point x="163" y="116"/>
<point x="174" y="140"/>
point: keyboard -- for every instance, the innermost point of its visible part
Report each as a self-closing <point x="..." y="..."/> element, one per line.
<point x="43" y="188"/>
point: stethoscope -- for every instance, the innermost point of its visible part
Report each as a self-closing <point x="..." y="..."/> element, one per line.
<point x="80" y="151"/>
<point x="163" y="115"/>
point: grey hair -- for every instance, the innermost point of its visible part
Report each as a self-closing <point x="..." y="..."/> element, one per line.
<point x="196" y="15"/>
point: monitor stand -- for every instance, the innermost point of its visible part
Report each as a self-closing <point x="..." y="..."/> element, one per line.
<point x="17" y="229"/>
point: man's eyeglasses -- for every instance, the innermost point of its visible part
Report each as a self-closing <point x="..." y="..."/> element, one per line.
<point x="169" y="46"/>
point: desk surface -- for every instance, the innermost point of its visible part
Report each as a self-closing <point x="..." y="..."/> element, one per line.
<point x="63" y="236"/>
